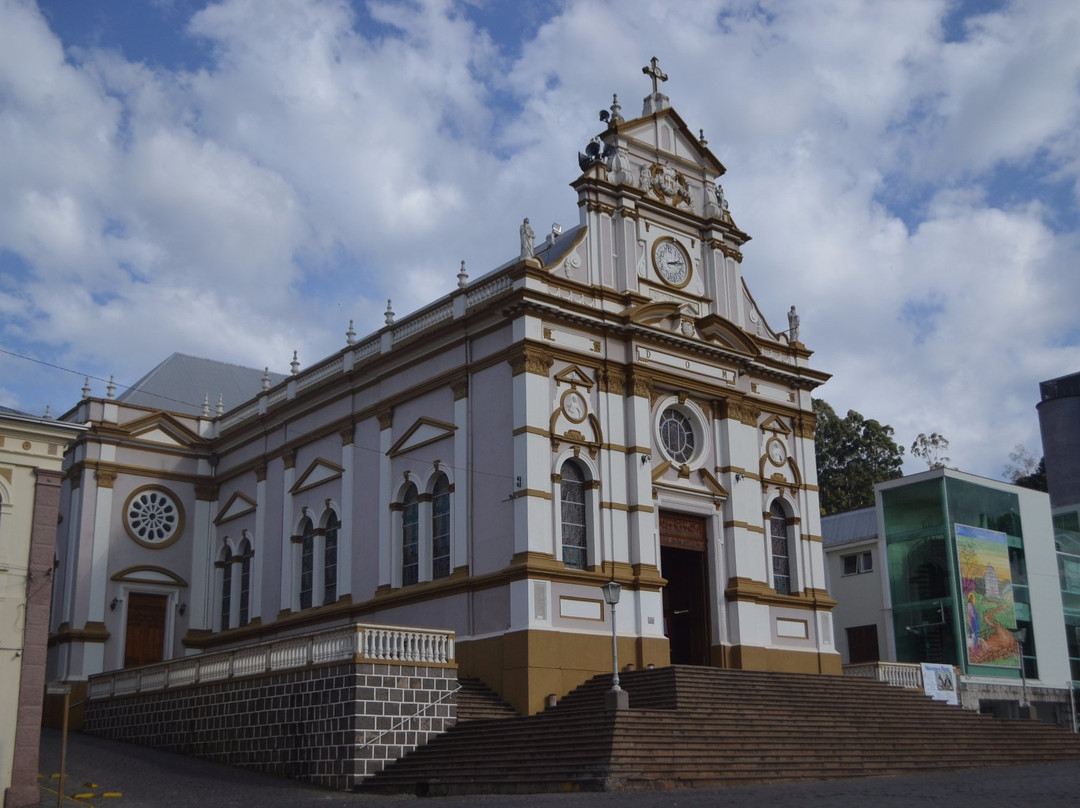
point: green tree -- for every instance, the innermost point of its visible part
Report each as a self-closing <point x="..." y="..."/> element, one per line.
<point x="931" y="450"/>
<point x="852" y="454"/>
<point x="1022" y="469"/>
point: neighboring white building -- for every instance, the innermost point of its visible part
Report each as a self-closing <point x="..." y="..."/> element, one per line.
<point x="952" y="562"/>
<point x="611" y="403"/>
<point x="31" y="453"/>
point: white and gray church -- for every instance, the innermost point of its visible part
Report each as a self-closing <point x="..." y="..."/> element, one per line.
<point x="611" y="404"/>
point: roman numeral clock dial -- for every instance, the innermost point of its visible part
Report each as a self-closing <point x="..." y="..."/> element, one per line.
<point x="671" y="262"/>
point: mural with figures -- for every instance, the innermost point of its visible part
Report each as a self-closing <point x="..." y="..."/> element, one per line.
<point x="986" y="597"/>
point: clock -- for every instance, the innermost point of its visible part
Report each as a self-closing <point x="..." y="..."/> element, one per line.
<point x="777" y="454"/>
<point x="671" y="262"/>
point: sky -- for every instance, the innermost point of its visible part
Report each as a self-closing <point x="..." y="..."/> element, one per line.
<point x="238" y="180"/>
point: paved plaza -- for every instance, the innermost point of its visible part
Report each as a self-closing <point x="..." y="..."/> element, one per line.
<point x="136" y="777"/>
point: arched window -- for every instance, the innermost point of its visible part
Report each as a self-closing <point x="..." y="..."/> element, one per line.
<point x="307" y="562"/>
<point x="410" y="536"/>
<point x="245" y="582"/>
<point x="781" y="548"/>
<point x="440" y="528"/>
<point x="226" y="587"/>
<point x="574" y="527"/>
<point x="330" y="559"/>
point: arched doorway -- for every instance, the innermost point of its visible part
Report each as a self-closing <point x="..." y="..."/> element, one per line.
<point x="683" y="562"/>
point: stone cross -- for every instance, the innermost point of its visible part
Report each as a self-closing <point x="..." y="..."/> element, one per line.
<point x="655" y="73"/>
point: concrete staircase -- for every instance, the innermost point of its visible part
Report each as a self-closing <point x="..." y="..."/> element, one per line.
<point x="690" y="727"/>
<point x="477" y="702"/>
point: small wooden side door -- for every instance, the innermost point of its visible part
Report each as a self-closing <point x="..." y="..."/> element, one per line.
<point x="145" y="641"/>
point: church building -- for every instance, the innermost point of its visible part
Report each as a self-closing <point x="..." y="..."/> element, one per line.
<point x="611" y="404"/>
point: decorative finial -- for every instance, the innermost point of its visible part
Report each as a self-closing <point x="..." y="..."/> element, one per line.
<point x="616" y="117"/>
<point x="266" y="379"/>
<point x="110" y="391"/>
<point x="48" y="412"/>
<point x="462" y="276"/>
<point x="701" y="137"/>
<point x="86" y="387"/>
<point x="220" y="403"/>
<point x="294" y="364"/>
<point x="350" y="335"/>
<point x="206" y="405"/>
<point x="389" y="317"/>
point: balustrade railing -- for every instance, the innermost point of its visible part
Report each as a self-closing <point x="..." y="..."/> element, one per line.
<point x="897" y="674"/>
<point x="360" y="642"/>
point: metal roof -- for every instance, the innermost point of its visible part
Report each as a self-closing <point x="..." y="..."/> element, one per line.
<point x="841" y="528"/>
<point x="180" y="383"/>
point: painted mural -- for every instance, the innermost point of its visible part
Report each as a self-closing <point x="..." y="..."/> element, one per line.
<point x="987" y="598"/>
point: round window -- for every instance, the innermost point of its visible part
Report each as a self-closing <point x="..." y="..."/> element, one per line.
<point x="677" y="435"/>
<point x="153" y="517"/>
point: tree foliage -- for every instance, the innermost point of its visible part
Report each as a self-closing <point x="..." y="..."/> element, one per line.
<point x="931" y="450"/>
<point x="852" y="454"/>
<point x="1022" y="469"/>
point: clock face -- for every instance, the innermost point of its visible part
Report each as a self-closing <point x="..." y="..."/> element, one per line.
<point x="671" y="262"/>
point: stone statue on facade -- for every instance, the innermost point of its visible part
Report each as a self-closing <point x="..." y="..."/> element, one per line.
<point x="793" y="325"/>
<point x="528" y="239"/>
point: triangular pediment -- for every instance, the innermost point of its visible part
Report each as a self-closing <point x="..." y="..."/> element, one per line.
<point x="163" y="429"/>
<point x="574" y="376"/>
<point x="238" y="505"/>
<point x="774" y="424"/>
<point x="421" y="433"/>
<point x="721" y="330"/>
<point x="667" y="133"/>
<point x="319" y="472"/>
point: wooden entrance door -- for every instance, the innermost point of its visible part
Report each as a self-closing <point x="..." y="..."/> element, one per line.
<point x="145" y="641"/>
<point x="683" y="555"/>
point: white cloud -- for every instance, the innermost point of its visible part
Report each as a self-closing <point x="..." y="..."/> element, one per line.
<point x="330" y="155"/>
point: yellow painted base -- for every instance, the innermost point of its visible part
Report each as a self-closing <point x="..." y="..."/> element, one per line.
<point x="748" y="657"/>
<point x="524" y="667"/>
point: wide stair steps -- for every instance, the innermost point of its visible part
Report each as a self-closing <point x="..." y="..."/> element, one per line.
<point x="693" y="727"/>
<point x="477" y="702"/>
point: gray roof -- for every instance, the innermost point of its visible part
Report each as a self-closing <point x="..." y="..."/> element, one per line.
<point x="841" y="528"/>
<point x="180" y="383"/>
<point x="9" y="411"/>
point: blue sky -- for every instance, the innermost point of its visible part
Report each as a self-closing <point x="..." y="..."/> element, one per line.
<point x="239" y="179"/>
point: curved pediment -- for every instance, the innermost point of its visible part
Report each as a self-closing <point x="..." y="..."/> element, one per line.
<point x="652" y="313"/>
<point x="715" y="328"/>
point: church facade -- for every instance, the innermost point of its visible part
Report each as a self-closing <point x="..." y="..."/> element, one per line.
<point x="611" y="405"/>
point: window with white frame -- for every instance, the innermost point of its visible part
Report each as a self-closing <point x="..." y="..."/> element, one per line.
<point x="226" y="588"/>
<point x="410" y="536"/>
<point x="245" y="582"/>
<point x="779" y="532"/>
<point x="307" y="562"/>
<point x="440" y="528"/>
<point x="575" y="539"/>
<point x="858" y="563"/>
<point x="330" y="557"/>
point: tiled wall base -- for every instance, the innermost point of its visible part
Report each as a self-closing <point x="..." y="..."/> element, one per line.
<point x="332" y="725"/>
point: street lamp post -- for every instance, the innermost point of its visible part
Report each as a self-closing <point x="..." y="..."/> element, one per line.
<point x="1020" y="634"/>
<point x="616" y="698"/>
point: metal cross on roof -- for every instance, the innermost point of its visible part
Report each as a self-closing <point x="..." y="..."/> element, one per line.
<point x="656" y="73"/>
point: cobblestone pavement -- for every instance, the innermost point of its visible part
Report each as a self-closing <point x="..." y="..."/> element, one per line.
<point x="144" y="778"/>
